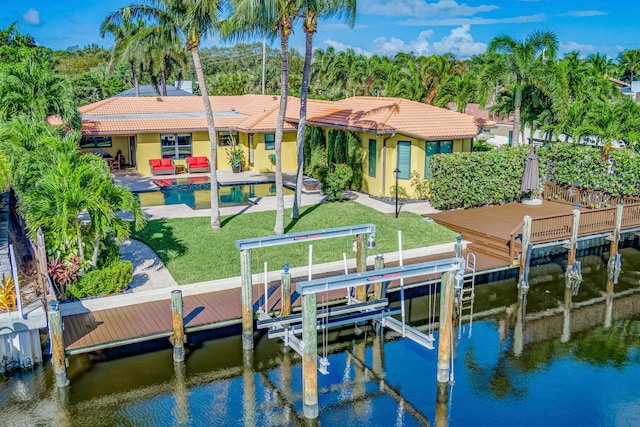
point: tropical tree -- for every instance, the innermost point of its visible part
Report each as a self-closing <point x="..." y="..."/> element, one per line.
<point x="190" y="20"/>
<point x="459" y="89"/>
<point x="312" y="10"/>
<point x="34" y="89"/>
<point x="524" y="60"/>
<point x="255" y="17"/>
<point x="123" y="33"/>
<point x="630" y="60"/>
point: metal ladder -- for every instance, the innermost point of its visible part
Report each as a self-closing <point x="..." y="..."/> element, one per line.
<point x="465" y="296"/>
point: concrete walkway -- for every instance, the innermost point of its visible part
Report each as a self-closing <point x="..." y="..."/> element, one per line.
<point x="149" y="272"/>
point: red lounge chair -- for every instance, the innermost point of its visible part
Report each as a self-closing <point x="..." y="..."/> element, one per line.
<point x="162" y="167"/>
<point x="197" y="164"/>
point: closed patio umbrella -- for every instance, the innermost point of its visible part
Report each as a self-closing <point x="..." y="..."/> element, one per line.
<point x="531" y="177"/>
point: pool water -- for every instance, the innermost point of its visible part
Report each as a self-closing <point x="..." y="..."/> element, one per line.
<point x="195" y="193"/>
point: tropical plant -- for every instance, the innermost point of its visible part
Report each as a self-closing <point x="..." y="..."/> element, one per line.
<point x="190" y="20"/>
<point x="337" y="179"/>
<point x="123" y="34"/>
<point x="235" y="156"/>
<point x="313" y="10"/>
<point x="111" y="279"/>
<point x="525" y="61"/>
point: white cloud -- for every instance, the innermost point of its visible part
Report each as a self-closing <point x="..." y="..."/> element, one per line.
<point x="459" y="42"/>
<point x="31" y="17"/>
<point x="341" y="26"/>
<point x="586" y="13"/>
<point x="580" y="47"/>
<point x="449" y="8"/>
<point x="339" y="47"/>
<point x="474" y="21"/>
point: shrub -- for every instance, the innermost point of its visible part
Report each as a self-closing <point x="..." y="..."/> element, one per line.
<point x="336" y="181"/>
<point x="420" y="186"/>
<point x="354" y="160"/>
<point x="402" y="192"/>
<point x="110" y="279"/>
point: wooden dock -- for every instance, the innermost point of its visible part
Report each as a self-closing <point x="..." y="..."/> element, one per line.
<point x="113" y="327"/>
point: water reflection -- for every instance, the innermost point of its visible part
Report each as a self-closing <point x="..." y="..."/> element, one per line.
<point x="529" y="350"/>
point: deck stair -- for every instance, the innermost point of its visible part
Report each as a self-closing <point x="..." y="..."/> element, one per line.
<point x="494" y="246"/>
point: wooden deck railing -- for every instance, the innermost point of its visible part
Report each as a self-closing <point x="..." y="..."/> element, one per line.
<point x="559" y="227"/>
<point x="594" y="199"/>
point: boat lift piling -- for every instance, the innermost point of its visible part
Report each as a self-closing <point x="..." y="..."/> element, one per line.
<point x="286" y="328"/>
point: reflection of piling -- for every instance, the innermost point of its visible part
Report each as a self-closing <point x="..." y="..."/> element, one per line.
<point x="566" y="325"/>
<point x="377" y="365"/>
<point x="285" y="280"/>
<point x="178" y="337"/>
<point x="360" y="381"/>
<point x="181" y="393"/>
<point x="613" y="266"/>
<point x="361" y="265"/>
<point x="518" y="332"/>
<point x="442" y="410"/>
<point x="247" y="299"/>
<point x="58" y="359"/>
<point x="249" y="383"/>
<point x="524" y="253"/>
<point x="573" y="277"/>
<point x="310" y="356"/>
<point x="444" y="340"/>
<point x="377" y="288"/>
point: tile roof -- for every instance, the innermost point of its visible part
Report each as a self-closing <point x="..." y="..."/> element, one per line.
<point x="258" y="113"/>
<point x="394" y="115"/>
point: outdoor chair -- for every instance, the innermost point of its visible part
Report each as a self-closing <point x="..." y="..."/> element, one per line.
<point x="197" y="164"/>
<point x="162" y="167"/>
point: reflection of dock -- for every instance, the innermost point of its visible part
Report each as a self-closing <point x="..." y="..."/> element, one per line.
<point x="585" y="315"/>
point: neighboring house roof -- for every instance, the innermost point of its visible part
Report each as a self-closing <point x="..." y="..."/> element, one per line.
<point x="619" y="83"/>
<point x="150" y="90"/>
<point x="482" y="114"/>
<point x="259" y="113"/>
<point x="393" y="115"/>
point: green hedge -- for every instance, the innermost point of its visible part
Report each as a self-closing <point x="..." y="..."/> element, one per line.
<point x="110" y="279"/>
<point x="464" y="180"/>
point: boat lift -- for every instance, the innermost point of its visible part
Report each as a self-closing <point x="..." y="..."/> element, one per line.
<point x="307" y="323"/>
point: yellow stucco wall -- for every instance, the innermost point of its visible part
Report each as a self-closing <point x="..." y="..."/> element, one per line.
<point x="261" y="156"/>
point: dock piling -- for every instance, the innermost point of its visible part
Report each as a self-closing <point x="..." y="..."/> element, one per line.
<point x="377" y="288"/>
<point x="444" y="338"/>
<point x="361" y="265"/>
<point x="58" y="359"/>
<point x="524" y="255"/>
<point x="178" y="338"/>
<point x="310" y="355"/>
<point x="285" y="280"/>
<point x="247" y="299"/>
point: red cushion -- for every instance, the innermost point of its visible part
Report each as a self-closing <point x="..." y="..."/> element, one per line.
<point x="167" y="162"/>
<point x="163" y="168"/>
<point x="201" y="161"/>
<point x="191" y="160"/>
<point x="154" y="163"/>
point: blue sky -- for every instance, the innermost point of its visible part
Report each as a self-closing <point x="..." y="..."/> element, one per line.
<point x="462" y="27"/>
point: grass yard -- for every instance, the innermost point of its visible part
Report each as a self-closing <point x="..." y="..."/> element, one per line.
<point x="193" y="252"/>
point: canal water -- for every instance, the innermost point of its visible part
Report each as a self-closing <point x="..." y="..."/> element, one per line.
<point x="550" y="367"/>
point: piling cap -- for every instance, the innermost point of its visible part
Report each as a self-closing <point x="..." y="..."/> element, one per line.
<point x="53" y="305"/>
<point x="286" y="268"/>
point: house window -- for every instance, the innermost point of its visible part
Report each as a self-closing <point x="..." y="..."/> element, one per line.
<point x="269" y="141"/>
<point x="175" y="145"/>
<point x="435" y="147"/>
<point x="96" y="142"/>
<point x="404" y="159"/>
<point x="372" y="158"/>
<point x="227" y="138"/>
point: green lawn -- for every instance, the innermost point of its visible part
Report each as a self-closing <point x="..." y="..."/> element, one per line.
<point x="193" y="252"/>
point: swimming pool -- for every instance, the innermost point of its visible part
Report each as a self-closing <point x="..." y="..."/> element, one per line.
<point x="195" y="192"/>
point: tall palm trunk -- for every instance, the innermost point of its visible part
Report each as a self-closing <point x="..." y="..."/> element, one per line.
<point x="302" y="124"/>
<point x="215" y="209"/>
<point x="284" y="94"/>
<point x="516" y="114"/>
<point x="163" y="82"/>
<point x="79" y="238"/>
<point x="96" y="252"/>
<point x="136" y="83"/>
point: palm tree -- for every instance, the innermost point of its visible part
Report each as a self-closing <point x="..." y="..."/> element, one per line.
<point x="259" y="17"/>
<point x="630" y="59"/>
<point x="313" y="10"/>
<point x="192" y="20"/>
<point x="123" y="34"/>
<point x="523" y="59"/>
<point x="32" y="88"/>
<point x="460" y="89"/>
